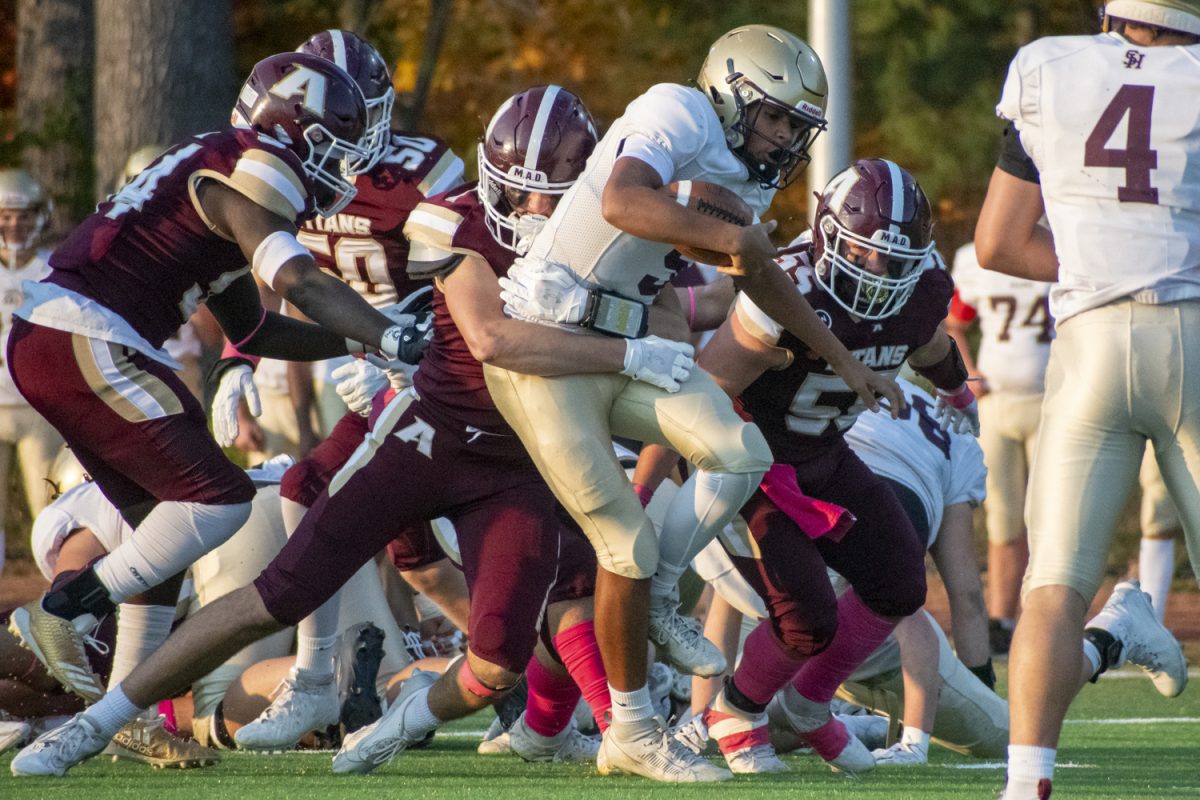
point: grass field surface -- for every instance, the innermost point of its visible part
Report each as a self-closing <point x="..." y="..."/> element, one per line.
<point x="1122" y="741"/>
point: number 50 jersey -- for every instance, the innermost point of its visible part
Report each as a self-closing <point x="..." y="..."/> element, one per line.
<point x="1114" y="130"/>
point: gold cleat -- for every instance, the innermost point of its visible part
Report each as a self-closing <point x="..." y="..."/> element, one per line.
<point x="59" y="646"/>
<point x="149" y="742"/>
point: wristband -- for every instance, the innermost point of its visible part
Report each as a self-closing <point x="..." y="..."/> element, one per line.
<point x="644" y="494"/>
<point x="958" y="398"/>
<point x="614" y="315"/>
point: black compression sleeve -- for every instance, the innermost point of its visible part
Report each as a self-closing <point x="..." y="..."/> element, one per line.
<point x="1013" y="158"/>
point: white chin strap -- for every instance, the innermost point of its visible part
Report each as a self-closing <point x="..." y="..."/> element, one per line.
<point x="525" y="227"/>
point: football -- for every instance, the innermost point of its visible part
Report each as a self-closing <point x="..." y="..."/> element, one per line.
<point x="716" y="201"/>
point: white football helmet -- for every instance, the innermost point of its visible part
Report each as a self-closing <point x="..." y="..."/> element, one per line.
<point x="764" y="64"/>
<point x="21" y="193"/>
<point x="1175" y="15"/>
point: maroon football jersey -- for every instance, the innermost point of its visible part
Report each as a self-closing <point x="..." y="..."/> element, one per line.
<point x="449" y="376"/>
<point x="364" y="245"/>
<point x="802" y="408"/>
<point x="147" y="252"/>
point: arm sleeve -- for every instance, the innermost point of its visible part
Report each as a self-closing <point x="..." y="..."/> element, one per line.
<point x="1013" y="159"/>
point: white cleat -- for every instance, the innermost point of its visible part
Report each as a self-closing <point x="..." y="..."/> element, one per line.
<point x="379" y="742"/>
<point x="566" y="746"/>
<point x="804" y="718"/>
<point x="742" y="737"/>
<point x="302" y="702"/>
<point x="650" y="751"/>
<point x="901" y="755"/>
<point x="1129" y="617"/>
<point x="870" y="729"/>
<point x="56" y="751"/>
<point x="495" y="741"/>
<point x="691" y="733"/>
<point x="761" y="759"/>
<point x="682" y="642"/>
<point x="12" y="733"/>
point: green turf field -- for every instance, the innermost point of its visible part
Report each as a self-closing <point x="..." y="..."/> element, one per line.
<point x="1107" y="752"/>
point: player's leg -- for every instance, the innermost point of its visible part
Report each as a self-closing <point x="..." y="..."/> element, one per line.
<point x="1160" y="526"/>
<point x="36" y="451"/>
<point x="730" y="456"/>
<point x="1087" y="461"/>
<point x="6" y="459"/>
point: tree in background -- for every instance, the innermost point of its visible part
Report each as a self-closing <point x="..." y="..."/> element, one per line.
<point x="163" y="71"/>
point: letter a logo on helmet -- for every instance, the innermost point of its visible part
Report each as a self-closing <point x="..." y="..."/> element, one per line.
<point x="306" y="83"/>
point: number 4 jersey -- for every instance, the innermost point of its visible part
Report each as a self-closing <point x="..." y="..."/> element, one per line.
<point x="1114" y="130"/>
<point x="804" y="407"/>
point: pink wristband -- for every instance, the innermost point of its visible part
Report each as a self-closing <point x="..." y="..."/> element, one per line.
<point x="644" y="494"/>
<point x="958" y="398"/>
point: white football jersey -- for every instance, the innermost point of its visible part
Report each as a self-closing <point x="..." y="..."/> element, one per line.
<point x="11" y="297"/>
<point x="1015" y="326"/>
<point x="675" y="130"/>
<point x="1114" y="130"/>
<point x="941" y="467"/>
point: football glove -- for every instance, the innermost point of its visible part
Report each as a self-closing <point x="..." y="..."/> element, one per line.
<point x="902" y="754"/>
<point x="659" y="362"/>
<point x="543" y="290"/>
<point x="357" y="383"/>
<point x="957" y="410"/>
<point x="237" y="383"/>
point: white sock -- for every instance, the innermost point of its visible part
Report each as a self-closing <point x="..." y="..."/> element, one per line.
<point x="140" y="631"/>
<point x="112" y="712"/>
<point x="417" y="716"/>
<point x="1092" y="654"/>
<point x="1026" y="766"/>
<point x="314" y="654"/>
<point x="171" y="538"/>
<point x="1156" y="567"/>
<point x="699" y="510"/>
<point x="631" y="707"/>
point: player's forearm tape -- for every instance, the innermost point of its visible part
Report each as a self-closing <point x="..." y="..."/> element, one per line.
<point x="273" y="252"/>
<point x="949" y="373"/>
<point x="615" y="315"/>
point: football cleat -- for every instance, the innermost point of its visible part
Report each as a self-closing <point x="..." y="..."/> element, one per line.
<point x="359" y="663"/>
<point x="692" y="733"/>
<point x="646" y="748"/>
<point x="742" y="738"/>
<point x="870" y="729"/>
<point x="379" y="742"/>
<point x="59" y="644"/>
<point x="302" y="702"/>
<point x="1129" y="617"/>
<point x="567" y="745"/>
<point x="56" y="751"/>
<point x="815" y="727"/>
<point x="12" y="733"/>
<point x="149" y="742"/>
<point x="496" y="741"/>
<point x="682" y="642"/>
<point x="901" y="755"/>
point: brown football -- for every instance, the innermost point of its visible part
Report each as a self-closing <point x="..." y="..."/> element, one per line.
<point x="716" y="201"/>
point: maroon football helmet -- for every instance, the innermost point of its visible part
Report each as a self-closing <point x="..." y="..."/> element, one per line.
<point x="872" y="207"/>
<point x="312" y="107"/>
<point x="363" y="63"/>
<point x="538" y="141"/>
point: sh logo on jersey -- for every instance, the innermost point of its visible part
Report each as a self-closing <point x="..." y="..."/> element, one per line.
<point x="1133" y="59"/>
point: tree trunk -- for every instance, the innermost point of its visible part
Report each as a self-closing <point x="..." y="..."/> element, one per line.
<point x="54" y="101"/>
<point x="164" y="70"/>
<point x="411" y="107"/>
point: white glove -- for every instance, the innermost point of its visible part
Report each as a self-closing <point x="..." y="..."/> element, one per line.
<point x="236" y="382"/>
<point x="957" y="409"/>
<point x="543" y="290"/>
<point x="661" y="362"/>
<point x="357" y="383"/>
<point x="902" y="754"/>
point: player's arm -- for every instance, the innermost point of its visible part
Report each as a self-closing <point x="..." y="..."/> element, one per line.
<point x="705" y="307"/>
<point x="940" y="362"/>
<point x="919" y="666"/>
<point x="953" y="553"/>
<point x="666" y="317"/>
<point x="632" y="202"/>
<point x="269" y="243"/>
<point x="473" y="297"/>
<point x="957" y="329"/>
<point x="1007" y="236"/>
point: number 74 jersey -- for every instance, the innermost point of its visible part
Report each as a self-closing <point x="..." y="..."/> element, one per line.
<point x="1114" y="130"/>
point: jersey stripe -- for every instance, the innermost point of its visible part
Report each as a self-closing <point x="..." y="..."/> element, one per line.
<point x="269" y="181"/>
<point x="136" y="395"/>
<point x="433" y="225"/>
<point x="445" y="175"/>
<point x="539" y="127"/>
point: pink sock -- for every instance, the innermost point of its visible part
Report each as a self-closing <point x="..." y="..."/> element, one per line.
<point x="552" y="699"/>
<point x="860" y="630"/>
<point x="766" y="666"/>
<point x="829" y="740"/>
<point x="580" y="652"/>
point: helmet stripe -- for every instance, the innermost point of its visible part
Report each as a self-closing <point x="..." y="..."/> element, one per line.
<point x="539" y="126"/>
<point x="897" y="181"/>
<point x="339" y="48"/>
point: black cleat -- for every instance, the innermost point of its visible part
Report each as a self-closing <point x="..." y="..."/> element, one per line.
<point x="361" y="705"/>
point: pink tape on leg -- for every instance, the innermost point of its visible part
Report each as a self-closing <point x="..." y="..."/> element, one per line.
<point x="829" y="740"/>
<point x="580" y="653"/>
<point x="552" y="699"/>
<point x="860" y="631"/>
<point x="766" y="666"/>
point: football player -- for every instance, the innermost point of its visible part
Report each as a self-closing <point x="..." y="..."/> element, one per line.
<point x="363" y="245"/>
<point x="1095" y="142"/>
<point x="458" y="459"/>
<point x="871" y="272"/>
<point x="24" y="434"/>
<point x="180" y="234"/>
<point x="606" y="248"/>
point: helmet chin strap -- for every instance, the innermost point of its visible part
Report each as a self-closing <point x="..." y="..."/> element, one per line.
<point x="525" y="227"/>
